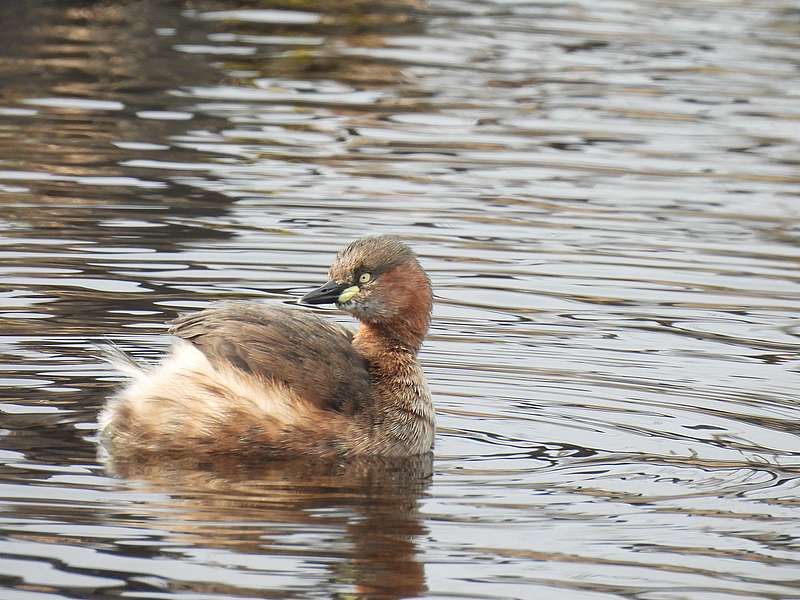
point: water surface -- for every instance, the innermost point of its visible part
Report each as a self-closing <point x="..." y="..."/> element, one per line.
<point x="605" y="195"/>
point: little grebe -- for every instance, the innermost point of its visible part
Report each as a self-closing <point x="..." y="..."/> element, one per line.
<point x="250" y="379"/>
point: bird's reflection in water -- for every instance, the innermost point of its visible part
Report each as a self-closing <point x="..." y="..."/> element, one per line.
<point x="366" y="511"/>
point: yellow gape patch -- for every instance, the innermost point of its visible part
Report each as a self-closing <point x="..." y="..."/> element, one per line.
<point x="348" y="294"/>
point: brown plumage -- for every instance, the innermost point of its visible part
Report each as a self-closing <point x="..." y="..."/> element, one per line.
<point x="252" y="379"/>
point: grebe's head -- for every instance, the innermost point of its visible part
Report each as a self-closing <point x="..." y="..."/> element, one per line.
<point x="379" y="281"/>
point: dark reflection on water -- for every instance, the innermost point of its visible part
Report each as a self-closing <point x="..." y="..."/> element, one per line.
<point x="605" y="197"/>
<point x="366" y="511"/>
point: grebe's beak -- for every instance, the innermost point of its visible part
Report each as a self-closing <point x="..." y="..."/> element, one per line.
<point x="326" y="294"/>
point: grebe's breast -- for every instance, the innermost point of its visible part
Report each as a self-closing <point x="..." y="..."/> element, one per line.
<point x="312" y="357"/>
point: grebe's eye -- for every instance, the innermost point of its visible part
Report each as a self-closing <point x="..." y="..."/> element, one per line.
<point x="365" y="278"/>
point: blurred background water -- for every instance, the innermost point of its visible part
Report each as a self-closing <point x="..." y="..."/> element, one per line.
<point x="604" y="193"/>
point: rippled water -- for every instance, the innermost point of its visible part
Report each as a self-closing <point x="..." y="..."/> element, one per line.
<point x="606" y="197"/>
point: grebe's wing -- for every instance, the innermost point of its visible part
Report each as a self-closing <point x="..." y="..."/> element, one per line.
<point x="313" y="357"/>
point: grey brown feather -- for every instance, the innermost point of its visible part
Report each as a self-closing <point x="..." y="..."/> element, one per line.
<point x="315" y="358"/>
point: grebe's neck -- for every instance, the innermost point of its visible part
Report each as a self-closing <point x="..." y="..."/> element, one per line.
<point x="402" y="399"/>
<point x="380" y="347"/>
<point x="401" y="389"/>
<point x="403" y="334"/>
